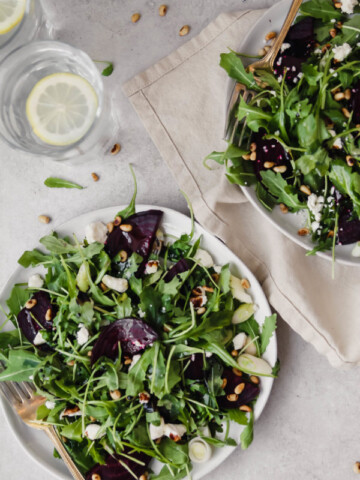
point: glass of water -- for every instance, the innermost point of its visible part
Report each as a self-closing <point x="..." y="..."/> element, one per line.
<point x="21" y="21"/>
<point x="52" y="102"/>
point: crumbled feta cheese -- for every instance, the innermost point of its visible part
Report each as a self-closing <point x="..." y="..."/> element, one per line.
<point x="50" y="405"/>
<point x="332" y="132"/>
<point x="315" y="205"/>
<point x="92" y="431"/>
<point x="280" y="78"/>
<point x="341" y="51"/>
<point x="31" y="377"/>
<point x="277" y="133"/>
<point x="35" y="281"/>
<point x="315" y="226"/>
<point x="151" y="267"/>
<point x="204" y="258"/>
<point x="134" y="361"/>
<point x="284" y="47"/>
<point x="239" y="340"/>
<point x="338" y="143"/>
<point x="173" y="431"/>
<point x="317" y="51"/>
<point x="199" y="450"/>
<point x="141" y="313"/>
<point x="96" y="232"/>
<point x="347" y="6"/>
<point x="356" y="250"/>
<point x="208" y="354"/>
<point x="331" y="70"/>
<point x="39" y="339"/>
<point x="118" y="284"/>
<point x="157" y="431"/>
<point x="82" y="335"/>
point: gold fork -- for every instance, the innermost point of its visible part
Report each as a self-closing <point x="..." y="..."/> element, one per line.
<point x="266" y="63"/>
<point x="25" y="403"/>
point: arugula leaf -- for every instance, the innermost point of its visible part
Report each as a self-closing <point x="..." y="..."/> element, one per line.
<point x="166" y="475"/>
<point x="344" y="180"/>
<point x="17" y="299"/>
<point x="320" y="161"/>
<point x="237" y="416"/>
<point x="278" y="187"/>
<point x="137" y="373"/>
<point x="57" y="245"/>
<point x="130" y="209"/>
<point x="235" y="69"/>
<point x="9" y="339"/>
<point x="322" y="9"/>
<point x="108" y="70"/>
<point x="267" y="331"/>
<point x="264" y="197"/>
<point x="241" y="174"/>
<point x="53" y="182"/>
<point x="20" y="365"/>
<point x="33" y="258"/>
<point x="350" y="30"/>
<point x="247" y="434"/>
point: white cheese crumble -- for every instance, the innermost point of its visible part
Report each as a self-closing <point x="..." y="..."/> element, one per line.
<point x="341" y="51"/>
<point x="151" y="267"/>
<point x="39" y="339"/>
<point x="204" y="258"/>
<point x="134" y="361"/>
<point x="338" y="143"/>
<point x="317" y="51"/>
<point x="157" y="431"/>
<point x="347" y="6"/>
<point x="173" y="430"/>
<point x="50" y="405"/>
<point x="284" y="47"/>
<point x="82" y="335"/>
<point x="35" y="281"/>
<point x="239" y="340"/>
<point x="96" y="232"/>
<point x="118" y="284"/>
<point x="141" y="313"/>
<point x="92" y="431"/>
<point x="315" y="205"/>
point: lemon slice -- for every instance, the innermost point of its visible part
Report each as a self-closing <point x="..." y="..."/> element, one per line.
<point x="61" y="108"/>
<point x="11" y="14"/>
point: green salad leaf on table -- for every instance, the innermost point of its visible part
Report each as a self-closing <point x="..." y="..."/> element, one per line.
<point x="143" y="348"/>
<point x="300" y="148"/>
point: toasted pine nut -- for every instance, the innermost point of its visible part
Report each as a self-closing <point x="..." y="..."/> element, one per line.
<point x="201" y="310"/>
<point x="356" y="467"/>
<point x="330" y="234"/>
<point x="71" y="363"/>
<point x="224" y="383"/>
<point x="69" y="411"/>
<point x="305" y="189"/>
<point x="48" y="315"/>
<point x="337" y="5"/>
<point x="339" y="96"/>
<point x="135" y="17"/>
<point x="110" y="226"/>
<point x="280" y="169"/>
<point x="127" y="361"/>
<point x="117" y="221"/>
<point x="103" y="286"/>
<point x="255" y="379"/>
<point x="325" y="47"/>
<point x="126" y="227"/>
<point x="239" y="388"/>
<point x="115" y="394"/>
<point x="303" y="231"/>
<point x="115" y="149"/>
<point x="283" y="208"/>
<point x="162" y="10"/>
<point x="89" y="353"/>
<point x="184" y="30"/>
<point x="30" y="303"/>
<point x="269" y="164"/>
<point x="253" y="156"/>
<point x="43" y="219"/>
<point x="245" y="408"/>
<point x="252" y="147"/>
<point x="93" y="419"/>
<point x="347" y="94"/>
<point x="332" y="32"/>
<point x="234" y="353"/>
<point x="123" y="255"/>
<point x="237" y="372"/>
<point x="346" y="112"/>
<point x="143" y="477"/>
<point x="245" y="283"/>
<point x="246" y="157"/>
<point x="95" y="176"/>
<point x="270" y="36"/>
<point x="232" y="397"/>
<point x="350" y="160"/>
<point x="95" y="476"/>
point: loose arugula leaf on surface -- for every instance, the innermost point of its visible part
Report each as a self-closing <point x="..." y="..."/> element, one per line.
<point x="53" y="182"/>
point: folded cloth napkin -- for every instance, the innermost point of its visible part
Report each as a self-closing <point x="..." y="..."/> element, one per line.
<point x="181" y="101"/>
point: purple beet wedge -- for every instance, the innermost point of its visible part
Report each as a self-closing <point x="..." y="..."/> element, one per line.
<point x="233" y="381"/>
<point x="114" y="470"/>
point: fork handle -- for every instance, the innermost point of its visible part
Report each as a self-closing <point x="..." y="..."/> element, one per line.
<point x="54" y="437"/>
<point x="272" y="54"/>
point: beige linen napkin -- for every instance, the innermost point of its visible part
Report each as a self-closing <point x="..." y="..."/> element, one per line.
<point x="181" y="101"/>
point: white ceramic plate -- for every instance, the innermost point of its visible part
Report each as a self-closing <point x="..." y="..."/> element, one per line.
<point x="288" y="224"/>
<point x="35" y="442"/>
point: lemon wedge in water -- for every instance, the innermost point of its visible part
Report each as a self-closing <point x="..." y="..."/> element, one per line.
<point x="11" y="14"/>
<point x="61" y="108"/>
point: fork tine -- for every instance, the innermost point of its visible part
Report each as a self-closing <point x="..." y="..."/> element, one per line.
<point x="7" y="393"/>
<point x="22" y="394"/>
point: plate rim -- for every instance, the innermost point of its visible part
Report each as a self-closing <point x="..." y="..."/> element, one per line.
<point x="12" y="420"/>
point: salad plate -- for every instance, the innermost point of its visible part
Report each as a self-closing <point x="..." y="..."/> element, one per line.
<point x="174" y="224"/>
<point x="289" y="224"/>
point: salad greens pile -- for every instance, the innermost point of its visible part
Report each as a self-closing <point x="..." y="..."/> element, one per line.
<point x="140" y="345"/>
<point x="303" y="124"/>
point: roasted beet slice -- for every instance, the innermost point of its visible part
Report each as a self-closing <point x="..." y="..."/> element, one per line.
<point x="293" y="67"/>
<point x="28" y="325"/>
<point x="179" y="267"/>
<point x="349" y="231"/>
<point x="140" y="239"/>
<point x="269" y="151"/>
<point x="250" y="392"/>
<point x="195" y="369"/>
<point x="302" y="31"/>
<point x="355" y="103"/>
<point x="133" y="334"/>
<point x="114" y="470"/>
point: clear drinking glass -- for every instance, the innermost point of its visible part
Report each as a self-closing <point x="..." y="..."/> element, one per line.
<point x="21" y="70"/>
<point x="33" y="25"/>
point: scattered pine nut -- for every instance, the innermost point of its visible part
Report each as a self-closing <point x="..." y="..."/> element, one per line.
<point x="245" y="408"/>
<point x="339" y="96"/>
<point x="280" y="169"/>
<point x="346" y="112"/>
<point x="110" y="226"/>
<point x="117" y="221"/>
<point x="127" y="361"/>
<point x="253" y="156"/>
<point x="95" y="476"/>
<point x="43" y="219"/>
<point x="237" y="372"/>
<point x="123" y="256"/>
<point x="232" y="397"/>
<point x="30" y="303"/>
<point x="135" y="17"/>
<point x="115" y="149"/>
<point x="332" y="32"/>
<point x="337" y="5"/>
<point x="303" y="232"/>
<point x="283" y="208"/>
<point x="115" y="395"/>
<point x="215" y="277"/>
<point x="270" y="36"/>
<point x="224" y="383"/>
<point x="350" y="160"/>
<point x="207" y="289"/>
<point x="347" y="94"/>
<point x="356" y="467"/>
<point x="162" y="10"/>
<point x="269" y="164"/>
<point x="245" y="283"/>
<point x="246" y="157"/>
<point x="71" y="363"/>
<point x="184" y="30"/>
<point x="93" y="419"/>
<point x="89" y="353"/>
<point x="330" y="234"/>
<point x="48" y="315"/>
<point x="103" y="286"/>
<point x="255" y="379"/>
<point x="252" y="147"/>
<point x="239" y="388"/>
<point x="305" y="189"/>
<point x="95" y="176"/>
<point x="126" y="227"/>
<point x="201" y="310"/>
<point x="234" y="353"/>
<point x="261" y="52"/>
<point x="143" y="477"/>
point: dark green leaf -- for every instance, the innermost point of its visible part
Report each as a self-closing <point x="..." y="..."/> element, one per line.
<point x="17" y="299"/>
<point x="53" y="182"/>
<point x="279" y="187"/>
<point x="267" y="331"/>
<point x="33" y="258"/>
<point x="108" y="70"/>
<point x="20" y="365"/>
<point x="235" y="69"/>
